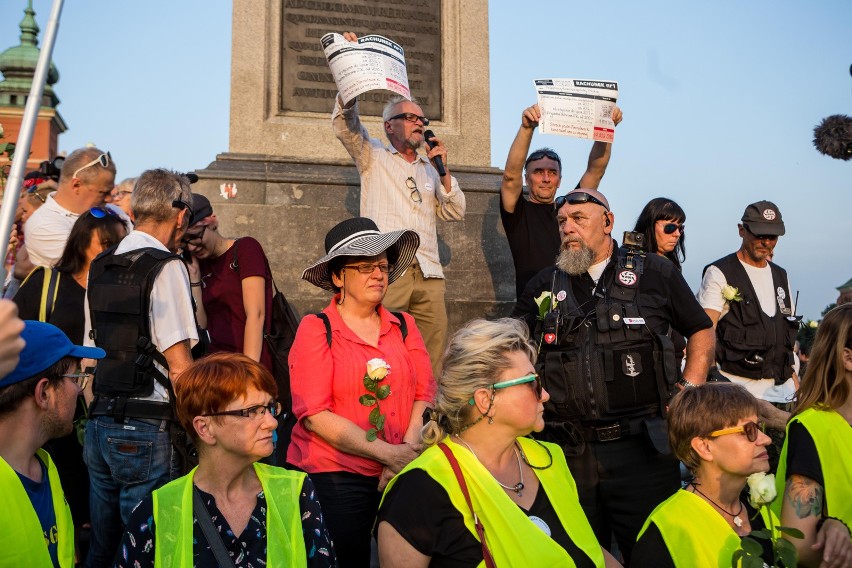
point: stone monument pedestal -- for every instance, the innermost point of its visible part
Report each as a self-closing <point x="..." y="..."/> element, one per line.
<point x="289" y="205"/>
<point x="286" y="179"/>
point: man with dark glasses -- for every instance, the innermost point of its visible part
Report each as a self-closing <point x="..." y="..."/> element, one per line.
<point x="601" y="319"/>
<point x="402" y="189"/>
<point x="86" y="180"/>
<point x="530" y="224"/>
<point x="748" y="298"/>
<point x="139" y="310"/>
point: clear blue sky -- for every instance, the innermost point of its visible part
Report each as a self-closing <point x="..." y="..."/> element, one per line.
<point x="720" y="100"/>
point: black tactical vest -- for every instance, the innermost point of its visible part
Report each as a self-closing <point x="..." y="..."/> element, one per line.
<point x="605" y="365"/>
<point x="119" y="305"/>
<point x="748" y="342"/>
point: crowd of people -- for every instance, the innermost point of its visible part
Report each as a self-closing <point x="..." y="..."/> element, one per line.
<point x="617" y="418"/>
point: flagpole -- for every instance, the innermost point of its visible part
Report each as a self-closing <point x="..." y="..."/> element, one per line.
<point x="25" y="136"/>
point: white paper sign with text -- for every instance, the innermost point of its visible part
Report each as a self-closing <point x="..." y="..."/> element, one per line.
<point x="374" y="62"/>
<point x="577" y="107"/>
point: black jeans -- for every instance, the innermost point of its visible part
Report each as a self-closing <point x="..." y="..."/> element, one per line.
<point x="349" y="504"/>
<point x="619" y="484"/>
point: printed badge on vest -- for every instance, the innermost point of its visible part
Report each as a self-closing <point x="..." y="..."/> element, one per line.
<point x="631" y="364"/>
<point x="628" y="278"/>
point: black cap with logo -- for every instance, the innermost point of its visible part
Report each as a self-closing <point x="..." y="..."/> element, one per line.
<point x="763" y="218"/>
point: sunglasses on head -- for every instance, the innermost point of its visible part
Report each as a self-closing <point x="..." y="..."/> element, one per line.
<point x="749" y="430"/>
<point x="103" y="160"/>
<point x="411" y="117"/>
<point x="539" y="154"/>
<point x="532" y="378"/>
<point x="101" y="212"/>
<point x="180" y="204"/>
<point x="576" y="198"/>
<point x="670" y="228"/>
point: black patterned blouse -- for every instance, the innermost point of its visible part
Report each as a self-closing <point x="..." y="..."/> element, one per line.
<point x="247" y="550"/>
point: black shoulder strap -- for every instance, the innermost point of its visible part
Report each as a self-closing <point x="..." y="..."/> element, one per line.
<point x="324" y="318"/>
<point x="150" y="263"/>
<point x="403" y="325"/>
<point x="205" y="523"/>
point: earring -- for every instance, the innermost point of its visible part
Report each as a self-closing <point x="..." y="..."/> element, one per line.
<point x="491" y="420"/>
<point x="471" y="402"/>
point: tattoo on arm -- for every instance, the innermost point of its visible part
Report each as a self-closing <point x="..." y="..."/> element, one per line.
<point x="805" y="496"/>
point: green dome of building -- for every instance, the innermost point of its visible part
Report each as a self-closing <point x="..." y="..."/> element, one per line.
<point x="18" y="65"/>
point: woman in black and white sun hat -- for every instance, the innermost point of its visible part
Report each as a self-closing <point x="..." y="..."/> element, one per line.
<point x="361" y="379"/>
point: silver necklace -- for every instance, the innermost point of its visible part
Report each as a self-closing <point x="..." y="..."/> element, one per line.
<point x="518" y="488"/>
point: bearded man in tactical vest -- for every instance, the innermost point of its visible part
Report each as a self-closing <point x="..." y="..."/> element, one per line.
<point x="748" y="298"/>
<point x="602" y="318"/>
<point x="139" y="310"/>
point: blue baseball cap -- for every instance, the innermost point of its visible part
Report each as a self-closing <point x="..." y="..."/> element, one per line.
<point x="46" y="344"/>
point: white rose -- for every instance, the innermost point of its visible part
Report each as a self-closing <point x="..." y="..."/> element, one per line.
<point x="377" y="369"/>
<point x="544" y="296"/>
<point x="813" y="324"/>
<point x="729" y="292"/>
<point x="761" y="488"/>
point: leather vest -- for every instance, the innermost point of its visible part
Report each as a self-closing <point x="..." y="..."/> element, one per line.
<point x="749" y="343"/>
<point x="119" y="303"/>
<point x="607" y="364"/>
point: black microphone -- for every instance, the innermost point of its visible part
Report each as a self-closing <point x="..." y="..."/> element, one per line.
<point x="439" y="163"/>
<point x="833" y="137"/>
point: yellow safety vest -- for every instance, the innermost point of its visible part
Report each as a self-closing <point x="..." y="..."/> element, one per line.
<point x="285" y="544"/>
<point x="696" y="535"/>
<point x="512" y="538"/>
<point x="832" y="437"/>
<point x="21" y="537"/>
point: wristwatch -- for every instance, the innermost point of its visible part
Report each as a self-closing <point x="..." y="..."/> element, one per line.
<point x="686" y="384"/>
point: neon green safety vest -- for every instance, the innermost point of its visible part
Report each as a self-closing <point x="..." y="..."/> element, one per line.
<point x="285" y="544"/>
<point x="832" y="436"/>
<point x="696" y="535"/>
<point x="22" y="541"/>
<point x="512" y="538"/>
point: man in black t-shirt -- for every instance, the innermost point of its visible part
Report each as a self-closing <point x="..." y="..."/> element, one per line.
<point x="530" y="225"/>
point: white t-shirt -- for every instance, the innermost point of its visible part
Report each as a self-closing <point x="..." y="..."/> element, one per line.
<point x="710" y="297"/>
<point x="597" y="270"/>
<point x="172" y="316"/>
<point x="46" y="232"/>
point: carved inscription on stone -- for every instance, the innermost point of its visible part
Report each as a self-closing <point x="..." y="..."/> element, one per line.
<point x="306" y="82"/>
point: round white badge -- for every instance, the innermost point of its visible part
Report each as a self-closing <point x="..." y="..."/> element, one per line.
<point x="561" y="295"/>
<point x="627" y="277"/>
<point x="781" y="293"/>
<point x="539" y="522"/>
<point x="768" y="214"/>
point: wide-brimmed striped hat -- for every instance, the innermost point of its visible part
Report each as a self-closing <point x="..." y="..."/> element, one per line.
<point x="360" y="236"/>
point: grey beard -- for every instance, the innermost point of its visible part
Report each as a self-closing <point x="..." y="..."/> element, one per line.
<point x="575" y="262"/>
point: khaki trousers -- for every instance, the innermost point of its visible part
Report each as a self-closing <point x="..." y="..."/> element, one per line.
<point x="423" y="298"/>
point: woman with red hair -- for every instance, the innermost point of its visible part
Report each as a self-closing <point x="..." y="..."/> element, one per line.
<point x="260" y="514"/>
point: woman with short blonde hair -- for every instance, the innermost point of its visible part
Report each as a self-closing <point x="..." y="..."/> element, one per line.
<point x="479" y="458"/>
